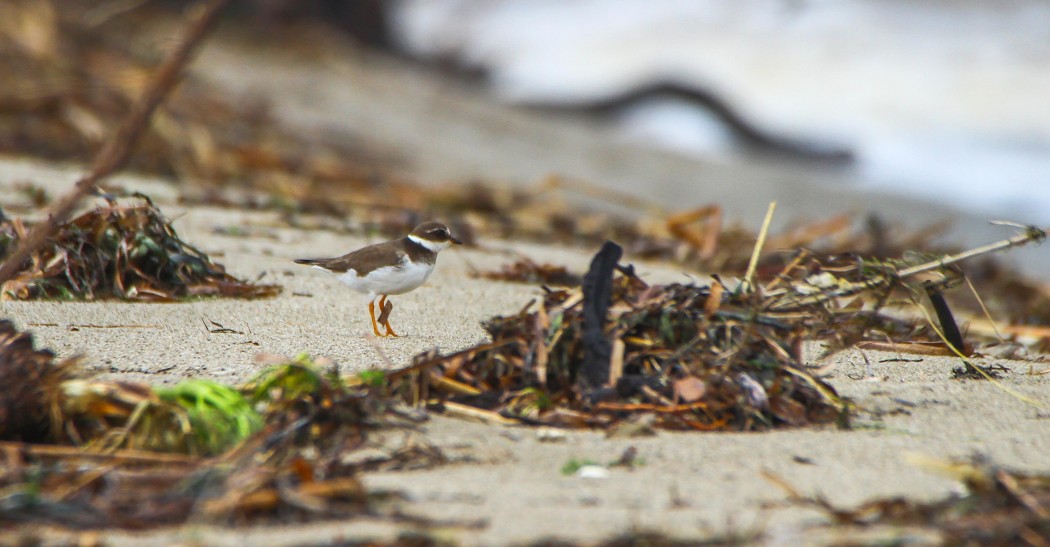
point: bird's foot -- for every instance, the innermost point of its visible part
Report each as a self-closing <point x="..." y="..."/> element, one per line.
<point x="386" y="307"/>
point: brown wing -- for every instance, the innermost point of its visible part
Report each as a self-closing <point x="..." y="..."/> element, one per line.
<point x="363" y="260"/>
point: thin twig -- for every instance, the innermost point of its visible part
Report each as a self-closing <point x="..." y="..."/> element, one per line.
<point x="114" y="154"/>
<point x="984" y="309"/>
<point x="748" y="277"/>
<point x="1031" y="233"/>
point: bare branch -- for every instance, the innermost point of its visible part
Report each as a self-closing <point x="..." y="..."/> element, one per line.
<point x="1031" y="233"/>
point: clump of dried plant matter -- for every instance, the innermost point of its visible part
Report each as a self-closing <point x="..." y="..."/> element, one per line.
<point x="128" y="252"/>
<point x="703" y="358"/>
<point x="31" y="380"/>
<point x="722" y="357"/>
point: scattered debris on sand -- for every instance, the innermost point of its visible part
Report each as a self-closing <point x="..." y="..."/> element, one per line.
<point x="722" y="357"/>
<point x="615" y="353"/>
<point x="999" y="507"/>
<point x="281" y="448"/>
<point x="94" y="454"/>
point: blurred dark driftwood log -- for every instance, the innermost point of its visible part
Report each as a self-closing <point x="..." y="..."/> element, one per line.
<point x="747" y="131"/>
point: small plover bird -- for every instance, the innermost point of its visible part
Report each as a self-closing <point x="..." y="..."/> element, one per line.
<point x="386" y="269"/>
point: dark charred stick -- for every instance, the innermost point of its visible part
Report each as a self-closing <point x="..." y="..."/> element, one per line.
<point x="944" y="316"/>
<point x="597" y="296"/>
<point x="115" y="153"/>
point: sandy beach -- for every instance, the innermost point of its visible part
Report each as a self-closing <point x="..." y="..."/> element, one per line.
<point x="505" y="484"/>
<point x="509" y="479"/>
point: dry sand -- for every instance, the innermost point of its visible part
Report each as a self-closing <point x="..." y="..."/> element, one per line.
<point x="691" y="485"/>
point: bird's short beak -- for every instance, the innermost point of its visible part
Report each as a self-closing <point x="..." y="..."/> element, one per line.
<point x="455" y="241"/>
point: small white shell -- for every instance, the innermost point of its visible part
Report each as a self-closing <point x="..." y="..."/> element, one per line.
<point x="593" y="472"/>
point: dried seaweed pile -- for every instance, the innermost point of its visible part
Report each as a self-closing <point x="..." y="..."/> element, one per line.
<point x="704" y="358"/>
<point x="297" y="466"/>
<point x="723" y="357"/>
<point x="999" y="507"/>
<point x="128" y="252"/>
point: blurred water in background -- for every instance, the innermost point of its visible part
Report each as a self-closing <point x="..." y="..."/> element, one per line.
<point x="945" y="99"/>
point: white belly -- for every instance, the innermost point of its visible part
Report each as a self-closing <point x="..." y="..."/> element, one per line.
<point x="389" y="280"/>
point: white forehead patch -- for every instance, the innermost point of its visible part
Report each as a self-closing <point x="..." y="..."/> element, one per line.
<point x="433" y="246"/>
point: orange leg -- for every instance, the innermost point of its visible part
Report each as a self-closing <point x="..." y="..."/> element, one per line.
<point x="385" y="308"/>
<point x="372" y="312"/>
